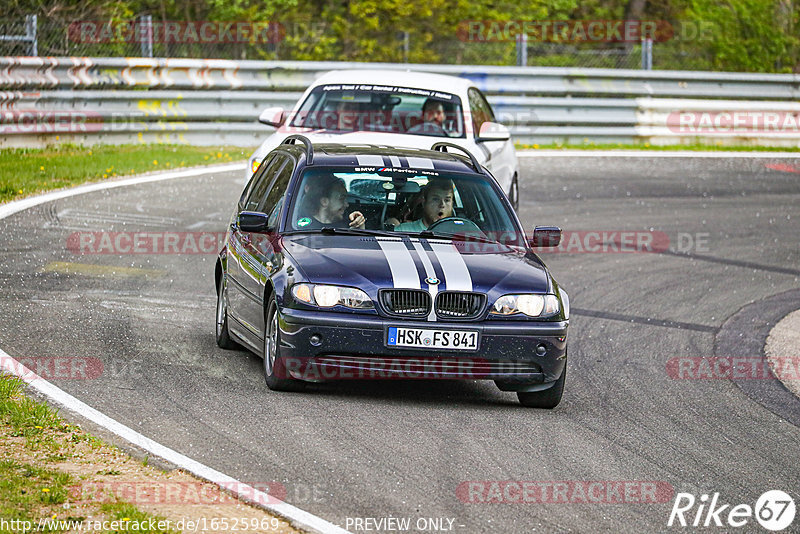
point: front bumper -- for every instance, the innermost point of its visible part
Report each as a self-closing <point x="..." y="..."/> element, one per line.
<point x="318" y="345"/>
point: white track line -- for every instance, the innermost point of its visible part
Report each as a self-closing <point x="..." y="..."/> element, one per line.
<point x="299" y="518"/>
<point x="547" y="153"/>
<point x="25" y="203"/>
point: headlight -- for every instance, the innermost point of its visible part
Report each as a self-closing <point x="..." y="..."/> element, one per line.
<point x="326" y="296"/>
<point x="330" y="296"/>
<point x="531" y="305"/>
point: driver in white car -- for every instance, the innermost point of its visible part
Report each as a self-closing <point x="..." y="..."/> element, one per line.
<point x="437" y="204"/>
<point x="433" y="116"/>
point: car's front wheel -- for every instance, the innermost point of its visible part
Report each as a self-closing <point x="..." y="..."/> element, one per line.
<point x="275" y="372"/>
<point x="548" y="398"/>
<point x="223" y="337"/>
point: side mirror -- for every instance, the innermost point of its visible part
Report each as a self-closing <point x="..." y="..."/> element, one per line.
<point x="252" y="221"/>
<point x="546" y="236"/>
<point x="272" y="116"/>
<point x="493" y="131"/>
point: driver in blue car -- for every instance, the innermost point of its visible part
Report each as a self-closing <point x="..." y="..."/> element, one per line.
<point x="325" y="204"/>
<point x="437" y="203"/>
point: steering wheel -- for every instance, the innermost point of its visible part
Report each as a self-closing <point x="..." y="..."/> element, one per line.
<point x="458" y="225"/>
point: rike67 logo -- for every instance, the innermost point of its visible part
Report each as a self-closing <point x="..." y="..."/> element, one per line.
<point x="774" y="510"/>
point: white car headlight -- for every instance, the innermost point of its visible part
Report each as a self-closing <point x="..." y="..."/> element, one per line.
<point x="532" y="305"/>
<point x="326" y="296"/>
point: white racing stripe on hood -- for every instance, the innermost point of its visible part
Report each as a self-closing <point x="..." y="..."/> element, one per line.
<point x="456" y="273"/>
<point x="370" y="160"/>
<point x="404" y="270"/>
<point x="433" y="289"/>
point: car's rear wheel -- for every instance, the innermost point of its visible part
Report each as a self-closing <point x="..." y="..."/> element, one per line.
<point x="223" y="337"/>
<point x="513" y="193"/>
<point x="275" y="372"/>
<point x="548" y="398"/>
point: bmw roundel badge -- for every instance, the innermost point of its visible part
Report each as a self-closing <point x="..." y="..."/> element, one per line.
<point x="432" y="280"/>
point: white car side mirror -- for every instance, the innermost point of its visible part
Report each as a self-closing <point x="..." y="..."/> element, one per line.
<point x="493" y="131"/>
<point x="272" y="116"/>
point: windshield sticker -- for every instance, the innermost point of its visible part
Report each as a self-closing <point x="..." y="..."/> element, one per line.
<point x="388" y="89"/>
<point x="396" y="169"/>
<point x="305" y="221"/>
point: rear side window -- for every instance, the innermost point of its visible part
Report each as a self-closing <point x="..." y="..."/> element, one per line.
<point x="260" y="185"/>
<point x="272" y="221"/>
<point x="278" y="187"/>
<point x="255" y="178"/>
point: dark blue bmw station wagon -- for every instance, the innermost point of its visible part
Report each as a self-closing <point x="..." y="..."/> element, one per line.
<point x="372" y="262"/>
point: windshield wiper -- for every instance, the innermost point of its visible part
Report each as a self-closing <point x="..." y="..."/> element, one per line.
<point x="460" y="237"/>
<point x="331" y="230"/>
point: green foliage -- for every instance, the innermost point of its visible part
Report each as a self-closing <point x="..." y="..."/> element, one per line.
<point x="26" y="489"/>
<point x="736" y="35"/>
<point x="748" y="35"/>
<point x="27" y="416"/>
<point x="10" y="386"/>
<point x="121" y="511"/>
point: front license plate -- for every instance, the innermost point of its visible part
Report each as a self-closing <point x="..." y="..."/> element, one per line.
<point x="432" y="339"/>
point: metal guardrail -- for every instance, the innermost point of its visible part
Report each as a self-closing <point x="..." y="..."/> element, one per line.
<point x="114" y="100"/>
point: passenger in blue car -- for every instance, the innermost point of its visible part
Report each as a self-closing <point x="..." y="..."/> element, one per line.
<point x="437" y="203"/>
<point x="325" y="203"/>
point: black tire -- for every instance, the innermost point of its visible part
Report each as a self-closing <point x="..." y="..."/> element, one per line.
<point x="548" y="399"/>
<point x="223" y="337"/>
<point x="275" y="373"/>
<point x="513" y="193"/>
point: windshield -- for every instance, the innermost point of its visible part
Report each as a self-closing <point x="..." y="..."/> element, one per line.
<point x="402" y="201"/>
<point x="382" y="108"/>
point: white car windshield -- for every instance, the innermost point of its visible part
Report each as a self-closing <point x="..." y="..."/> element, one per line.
<point x="381" y="108"/>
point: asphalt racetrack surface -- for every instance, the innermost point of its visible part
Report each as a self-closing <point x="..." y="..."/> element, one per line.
<point x="133" y="336"/>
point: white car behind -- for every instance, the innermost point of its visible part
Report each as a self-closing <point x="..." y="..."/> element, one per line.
<point x="385" y="107"/>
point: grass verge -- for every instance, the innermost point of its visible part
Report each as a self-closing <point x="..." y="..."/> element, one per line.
<point x="27" y="171"/>
<point x="54" y="477"/>
<point x="647" y="146"/>
<point x="40" y="495"/>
